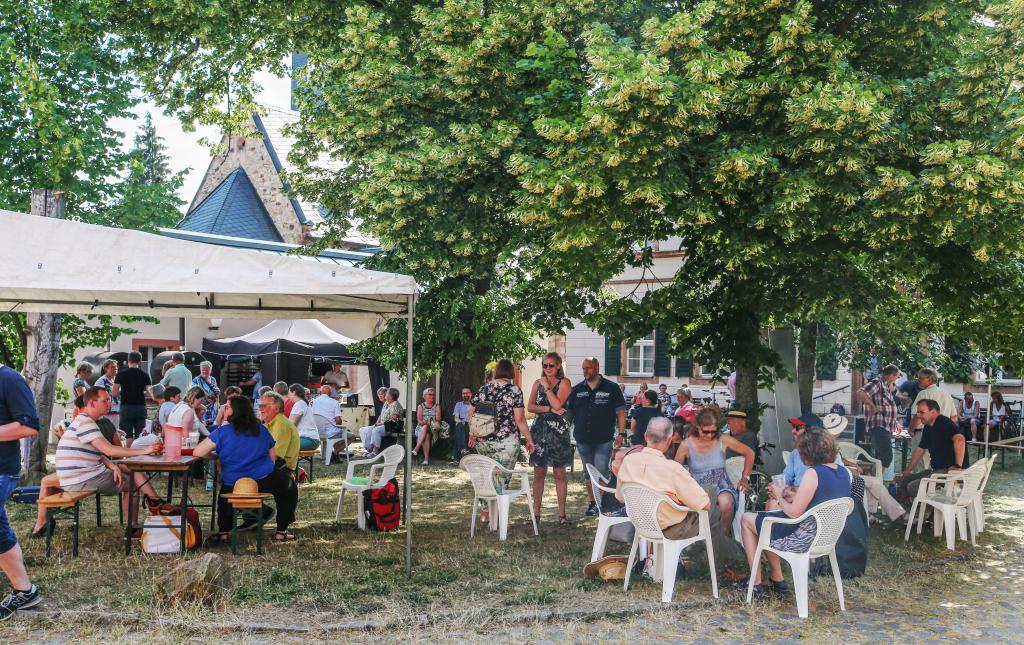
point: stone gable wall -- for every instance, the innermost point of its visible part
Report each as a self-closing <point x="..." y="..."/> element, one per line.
<point x="251" y="154"/>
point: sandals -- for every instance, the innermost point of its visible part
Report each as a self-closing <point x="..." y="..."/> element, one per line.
<point x="283" y="536"/>
<point x="564" y="521"/>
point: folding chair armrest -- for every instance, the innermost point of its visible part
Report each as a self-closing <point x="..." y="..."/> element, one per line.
<point x="359" y="462"/>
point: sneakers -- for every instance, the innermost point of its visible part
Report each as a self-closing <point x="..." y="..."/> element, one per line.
<point x="424" y="463"/>
<point x="19" y="600"/>
<point x="591" y="510"/>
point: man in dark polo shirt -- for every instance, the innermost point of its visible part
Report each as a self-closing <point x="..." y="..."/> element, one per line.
<point x="132" y="383"/>
<point x="598" y="408"/>
<point x="944" y="442"/>
<point x="18" y="420"/>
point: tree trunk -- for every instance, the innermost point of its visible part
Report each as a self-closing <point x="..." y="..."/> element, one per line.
<point x="746" y="395"/>
<point x="42" y="349"/>
<point x="807" y="354"/>
<point x="455" y="376"/>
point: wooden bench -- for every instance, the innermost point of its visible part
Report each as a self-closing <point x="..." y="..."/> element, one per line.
<point x="244" y="503"/>
<point x="307" y="456"/>
<point x="65" y="503"/>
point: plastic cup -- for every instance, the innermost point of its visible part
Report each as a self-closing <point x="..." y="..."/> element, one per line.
<point x="779" y="480"/>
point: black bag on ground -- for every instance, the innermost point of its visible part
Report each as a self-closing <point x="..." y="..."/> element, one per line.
<point x="383" y="507"/>
<point x="852" y="547"/>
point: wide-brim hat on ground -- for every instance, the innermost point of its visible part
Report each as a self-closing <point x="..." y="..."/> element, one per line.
<point x="810" y="420"/>
<point x="834" y="424"/>
<point x="612" y="567"/>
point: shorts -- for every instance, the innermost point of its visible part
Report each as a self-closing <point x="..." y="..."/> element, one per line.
<point x="133" y="420"/>
<point x="597" y="454"/>
<point x="102" y="484"/>
<point x="8" y="540"/>
<point x="308" y="443"/>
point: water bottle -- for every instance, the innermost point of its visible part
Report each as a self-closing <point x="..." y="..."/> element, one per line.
<point x="209" y="479"/>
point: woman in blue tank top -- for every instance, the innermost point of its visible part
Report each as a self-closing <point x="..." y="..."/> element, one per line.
<point x="823" y="481"/>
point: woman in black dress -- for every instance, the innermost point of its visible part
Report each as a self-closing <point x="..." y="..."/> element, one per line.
<point x="550" y="432"/>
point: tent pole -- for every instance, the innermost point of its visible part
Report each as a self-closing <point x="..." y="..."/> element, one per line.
<point x="409" y="407"/>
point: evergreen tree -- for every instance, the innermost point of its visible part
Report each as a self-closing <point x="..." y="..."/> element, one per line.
<point x="149" y="150"/>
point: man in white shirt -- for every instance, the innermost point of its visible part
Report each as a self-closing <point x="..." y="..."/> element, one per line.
<point x="928" y="379"/>
<point x="178" y="376"/>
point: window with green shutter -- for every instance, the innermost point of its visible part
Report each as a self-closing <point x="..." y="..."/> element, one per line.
<point x="684" y="366"/>
<point x="662" y="360"/>
<point x="612" y="357"/>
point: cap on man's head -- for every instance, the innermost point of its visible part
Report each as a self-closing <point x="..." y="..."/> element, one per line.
<point x="809" y="420"/>
<point x="737" y="414"/>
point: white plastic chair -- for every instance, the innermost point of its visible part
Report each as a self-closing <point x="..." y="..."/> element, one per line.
<point x="380" y="474"/>
<point x="327" y="445"/>
<point x="734" y="468"/>
<point x="604" y="522"/>
<point x="830" y="518"/>
<point x="785" y="456"/>
<point x="978" y="507"/>
<point x="642" y="508"/>
<point x="953" y="509"/>
<point x="482" y="472"/>
<point x="853" y="452"/>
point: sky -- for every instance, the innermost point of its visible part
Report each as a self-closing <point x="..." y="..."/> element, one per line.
<point x="183" y="148"/>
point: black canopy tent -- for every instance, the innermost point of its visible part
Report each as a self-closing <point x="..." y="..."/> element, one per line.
<point x="292" y="350"/>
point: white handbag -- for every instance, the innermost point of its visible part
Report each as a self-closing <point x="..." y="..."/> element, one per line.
<point x="162" y="534"/>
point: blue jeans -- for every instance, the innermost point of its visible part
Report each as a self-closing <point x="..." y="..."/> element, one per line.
<point x="598" y="454"/>
<point x="8" y="540"/>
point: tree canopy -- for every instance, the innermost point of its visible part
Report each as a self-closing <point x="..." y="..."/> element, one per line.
<point x="853" y="163"/>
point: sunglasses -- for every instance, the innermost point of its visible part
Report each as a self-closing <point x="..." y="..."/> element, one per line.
<point x="549" y="366"/>
<point x="709" y="433"/>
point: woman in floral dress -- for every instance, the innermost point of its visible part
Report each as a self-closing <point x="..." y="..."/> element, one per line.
<point x="550" y="432"/>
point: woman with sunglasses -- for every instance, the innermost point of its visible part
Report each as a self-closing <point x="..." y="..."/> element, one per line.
<point x="705" y="449"/>
<point x="550" y="432"/>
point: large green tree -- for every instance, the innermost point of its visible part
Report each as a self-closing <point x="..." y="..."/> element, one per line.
<point x="428" y="105"/>
<point x="858" y="153"/>
<point x="61" y="82"/>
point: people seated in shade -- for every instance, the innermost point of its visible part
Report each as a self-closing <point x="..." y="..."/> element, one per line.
<point x="823" y="480"/>
<point x="246" y="448"/>
<point x="649" y="467"/>
<point x="326" y="406"/>
<point x="301" y="414"/>
<point x="875" y="491"/>
<point x="284" y="432"/>
<point x="970" y="414"/>
<point x="83" y="459"/>
<point x="704" y="450"/>
<point x="428" y="424"/>
<point x="373" y="435"/>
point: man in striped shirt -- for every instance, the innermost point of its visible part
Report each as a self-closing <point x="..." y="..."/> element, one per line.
<point x="83" y="453"/>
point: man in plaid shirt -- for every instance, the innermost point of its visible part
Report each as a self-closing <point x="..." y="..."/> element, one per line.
<point x="881" y="416"/>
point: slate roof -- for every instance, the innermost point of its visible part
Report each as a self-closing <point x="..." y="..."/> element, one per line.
<point x="232" y="209"/>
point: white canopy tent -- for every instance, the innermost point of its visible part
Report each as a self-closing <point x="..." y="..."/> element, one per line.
<point x="61" y="266"/>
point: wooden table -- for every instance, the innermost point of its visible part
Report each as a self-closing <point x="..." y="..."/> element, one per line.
<point x="153" y="465"/>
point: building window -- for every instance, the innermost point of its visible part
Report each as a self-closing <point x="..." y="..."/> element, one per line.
<point x="640" y="357"/>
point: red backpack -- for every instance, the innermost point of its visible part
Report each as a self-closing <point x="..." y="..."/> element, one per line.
<point x="383" y="507"/>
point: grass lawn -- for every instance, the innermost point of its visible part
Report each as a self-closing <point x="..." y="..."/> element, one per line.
<point x="334" y="573"/>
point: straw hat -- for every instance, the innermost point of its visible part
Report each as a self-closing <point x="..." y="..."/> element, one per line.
<point x="834" y="424"/>
<point x="612" y="567"/>
<point x="246" y="486"/>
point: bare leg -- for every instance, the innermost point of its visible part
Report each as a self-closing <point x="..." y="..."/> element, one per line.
<point x="725" y="504"/>
<point x="47" y="486"/>
<point x="590" y="492"/>
<point x="776" y="566"/>
<point x="13" y="566"/>
<point x="750" y="543"/>
<point x="561" y="488"/>
<point x="539" y="473"/>
<point x="419" y="443"/>
<point x="426" y="444"/>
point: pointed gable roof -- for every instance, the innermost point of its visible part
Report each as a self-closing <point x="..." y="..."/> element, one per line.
<point x="234" y="209"/>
